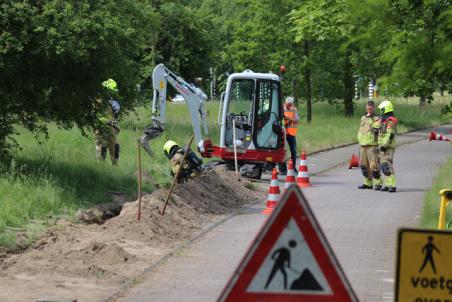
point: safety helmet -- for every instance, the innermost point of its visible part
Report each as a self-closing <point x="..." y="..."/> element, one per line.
<point x="289" y="99"/>
<point x="110" y="84"/>
<point x="168" y="146"/>
<point x="386" y="107"/>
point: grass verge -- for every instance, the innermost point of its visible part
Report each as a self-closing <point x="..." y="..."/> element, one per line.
<point x="430" y="212"/>
<point x="55" y="177"/>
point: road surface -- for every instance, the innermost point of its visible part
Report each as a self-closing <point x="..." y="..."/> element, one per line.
<point x="360" y="225"/>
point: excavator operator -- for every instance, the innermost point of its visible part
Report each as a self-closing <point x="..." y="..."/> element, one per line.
<point x="192" y="166"/>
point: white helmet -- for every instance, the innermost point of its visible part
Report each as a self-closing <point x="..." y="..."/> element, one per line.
<point x="289" y="99"/>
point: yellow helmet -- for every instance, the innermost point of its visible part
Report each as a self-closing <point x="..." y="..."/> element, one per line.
<point x="386" y="107"/>
<point x="110" y="84"/>
<point x="168" y="146"/>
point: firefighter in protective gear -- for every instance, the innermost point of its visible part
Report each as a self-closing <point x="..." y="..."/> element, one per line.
<point x="386" y="144"/>
<point x="368" y="151"/>
<point x="107" y="129"/>
<point x="291" y="122"/>
<point x="192" y="166"/>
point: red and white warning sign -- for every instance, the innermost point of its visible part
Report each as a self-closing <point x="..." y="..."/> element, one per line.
<point x="290" y="260"/>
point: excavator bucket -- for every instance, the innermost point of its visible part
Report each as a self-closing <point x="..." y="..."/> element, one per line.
<point x="149" y="134"/>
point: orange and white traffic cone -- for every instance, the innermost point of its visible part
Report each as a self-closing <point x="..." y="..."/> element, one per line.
<point x="290" y="177"/>
<point x="273" y="193"/>
<point x="354" y="162"/>
<point x="437" y="137"/>
<point x="303" y="174"/>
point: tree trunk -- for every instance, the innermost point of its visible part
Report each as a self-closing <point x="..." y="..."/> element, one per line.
<point x="422" y="101"/>
<point x="307" y="80"/>
<point x="348" y="85"/>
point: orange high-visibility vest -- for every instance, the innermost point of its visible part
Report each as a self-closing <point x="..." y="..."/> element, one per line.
<point x="291" y="126"/>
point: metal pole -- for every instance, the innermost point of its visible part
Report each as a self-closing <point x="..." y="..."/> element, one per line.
<point x="235" y="148"/>
<point x="139" y="180"/>
<point x="173" y="185"/>
<point x="446" y="196"/>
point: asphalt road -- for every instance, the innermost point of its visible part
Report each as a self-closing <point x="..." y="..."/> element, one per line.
<point x="360" y="225"/>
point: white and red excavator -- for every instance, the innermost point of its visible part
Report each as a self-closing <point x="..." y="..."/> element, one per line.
<point x="251" y="102"/>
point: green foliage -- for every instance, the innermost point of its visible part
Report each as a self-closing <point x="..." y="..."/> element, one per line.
<point x="411" y="39"/>
<point x="184" y="43"/>
<point x="54" y="54"/>
<point x="324" y="28"/>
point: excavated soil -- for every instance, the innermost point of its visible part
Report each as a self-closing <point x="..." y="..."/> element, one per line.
<point x="90" y="262"/>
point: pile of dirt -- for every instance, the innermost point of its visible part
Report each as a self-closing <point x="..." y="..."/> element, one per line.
<point x="193" y="203"/>
<point x="71" y="257"/>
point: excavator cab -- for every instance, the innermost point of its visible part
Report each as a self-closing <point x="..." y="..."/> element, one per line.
<point x="252" y="103"/>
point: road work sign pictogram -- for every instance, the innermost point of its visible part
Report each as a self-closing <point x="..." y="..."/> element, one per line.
<point x="290" y="260"/>
<point x="424" y="266"/>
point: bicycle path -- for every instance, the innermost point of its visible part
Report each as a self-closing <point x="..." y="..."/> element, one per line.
<point x="360" y="225"/>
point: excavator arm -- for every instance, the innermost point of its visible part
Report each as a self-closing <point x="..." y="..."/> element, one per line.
<point x="194" y="98"/>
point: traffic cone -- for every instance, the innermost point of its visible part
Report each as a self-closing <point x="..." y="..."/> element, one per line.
<point x="303" y="174"/>
<point x="290" y="177"/>
<point x="273" y="193"/>
<point x="354" y="162"/>
<point x="437" y="137"/>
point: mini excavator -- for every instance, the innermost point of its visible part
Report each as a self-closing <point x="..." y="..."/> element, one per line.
<point x="252" y="103"/>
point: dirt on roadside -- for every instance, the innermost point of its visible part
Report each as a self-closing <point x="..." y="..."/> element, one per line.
<point x="90" y="262"/>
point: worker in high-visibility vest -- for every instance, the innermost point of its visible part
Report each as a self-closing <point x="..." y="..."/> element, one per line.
<point x="106" y="129"/>
<point x="368" y="148"/>
<point x="192" y="166"/>
<point x="386" y="145"/>
<point x="290" y="122"/>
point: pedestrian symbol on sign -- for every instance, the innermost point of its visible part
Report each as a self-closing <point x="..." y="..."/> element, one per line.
<point x="428" y="250"/>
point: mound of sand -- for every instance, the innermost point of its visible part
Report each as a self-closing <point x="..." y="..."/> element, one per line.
<point x="70" y="258"/>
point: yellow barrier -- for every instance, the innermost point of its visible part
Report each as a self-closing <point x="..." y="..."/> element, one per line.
<point x="446" y="197"/>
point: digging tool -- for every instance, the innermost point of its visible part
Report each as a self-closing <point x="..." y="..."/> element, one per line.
<point x="173" y="185"/>
<point x="139" y="181"/>
<point x="293" y="270"/>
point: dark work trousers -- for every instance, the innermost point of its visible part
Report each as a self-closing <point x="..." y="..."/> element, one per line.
<point x="292" y="141"/>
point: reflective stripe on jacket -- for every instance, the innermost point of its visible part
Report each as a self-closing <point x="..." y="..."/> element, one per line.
<point x="291" y="120"/>
<point x="368" y="131"/>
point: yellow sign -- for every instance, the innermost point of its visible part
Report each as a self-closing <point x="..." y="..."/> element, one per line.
<point x="161" y="84"/>
<point x="424" y="266"/>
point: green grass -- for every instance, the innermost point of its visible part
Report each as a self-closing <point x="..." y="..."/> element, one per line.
<point x="55" y="177"/>
<point x="330" y="128"/>
<point x="430" y="212"/>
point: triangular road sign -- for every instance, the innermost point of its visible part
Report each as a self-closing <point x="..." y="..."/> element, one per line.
<point x="290" y="260"/>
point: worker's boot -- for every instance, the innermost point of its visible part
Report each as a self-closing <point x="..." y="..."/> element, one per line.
<point x="367" y="184"/>
<point x="377" y="180"/>
<point x="390" y="181"/>
<point x="377" y="187"/>
<point x="364" y="186"/>
<point x="103" y="152"/>
<point x="384" y="189"/>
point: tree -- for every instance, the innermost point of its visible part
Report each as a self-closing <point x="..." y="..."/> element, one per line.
<point x="324" y="23"/>
<point x="413" y="38"/>
<point x="185" y="42"/>
<point x="54" y="55"/>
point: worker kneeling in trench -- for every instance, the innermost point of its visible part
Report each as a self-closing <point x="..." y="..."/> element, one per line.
<point x="192" y="166"/>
